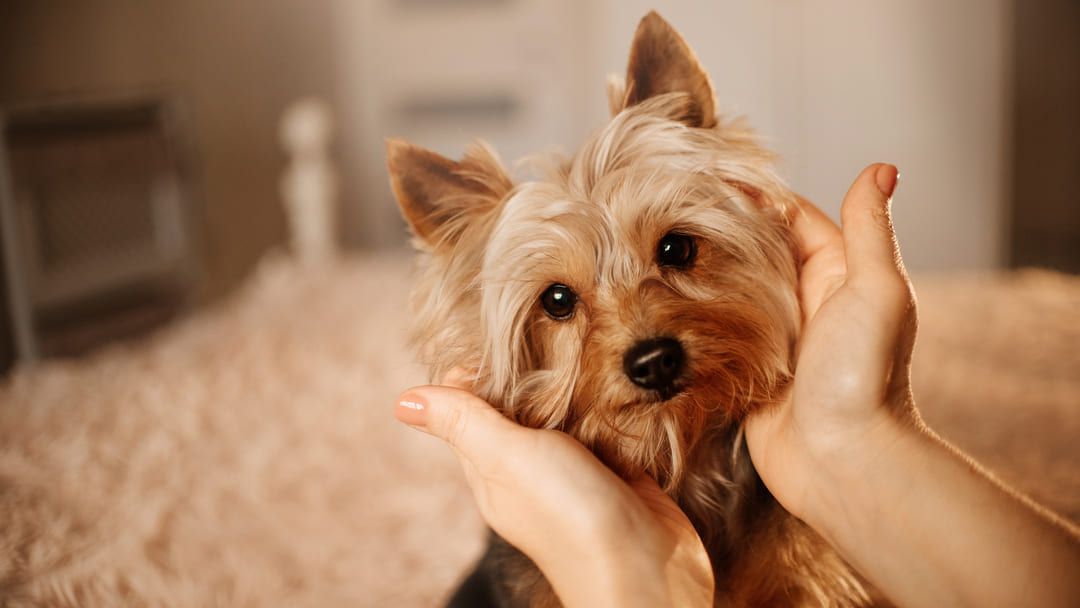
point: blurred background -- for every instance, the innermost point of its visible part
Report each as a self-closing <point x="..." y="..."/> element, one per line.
<point x="141" y="161"/>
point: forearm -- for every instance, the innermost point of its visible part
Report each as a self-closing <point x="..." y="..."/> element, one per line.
<point x="928" y="527"/>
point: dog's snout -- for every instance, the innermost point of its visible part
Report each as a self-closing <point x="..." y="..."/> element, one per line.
<point x="655" y="363"/>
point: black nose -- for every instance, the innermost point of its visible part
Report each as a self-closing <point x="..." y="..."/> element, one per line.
<point x="654" y="363"/>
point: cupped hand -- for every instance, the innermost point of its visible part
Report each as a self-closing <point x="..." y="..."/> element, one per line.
<point x="599" y="540"/>
<point x="851" y="384"/>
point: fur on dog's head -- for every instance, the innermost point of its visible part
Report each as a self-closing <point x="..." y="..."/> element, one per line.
<point x="639" y="297"/>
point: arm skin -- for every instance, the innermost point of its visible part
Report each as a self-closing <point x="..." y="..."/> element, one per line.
<point x="847" y="452"/>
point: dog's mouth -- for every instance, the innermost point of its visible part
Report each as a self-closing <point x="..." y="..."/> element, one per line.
<point x="666" y="394"/>
<point x="660" y="396"/>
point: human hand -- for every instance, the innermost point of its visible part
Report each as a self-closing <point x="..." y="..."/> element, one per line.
<point x="599" y="540"/>
<point x="851" y="390"/>
<point x="846" y="451"/>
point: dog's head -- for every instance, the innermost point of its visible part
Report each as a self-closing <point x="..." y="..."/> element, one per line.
<point x="640" y="295"/>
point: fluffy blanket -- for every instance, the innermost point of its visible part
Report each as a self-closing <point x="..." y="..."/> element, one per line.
<point x="247" y="456"/>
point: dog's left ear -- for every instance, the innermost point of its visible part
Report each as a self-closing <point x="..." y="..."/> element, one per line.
<point x="442" y="198"/>
<point x="661" y="62"/>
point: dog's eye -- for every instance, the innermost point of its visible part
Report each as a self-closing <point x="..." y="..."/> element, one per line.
<point x="676" y="250"/>
<point x="559" y="301"/>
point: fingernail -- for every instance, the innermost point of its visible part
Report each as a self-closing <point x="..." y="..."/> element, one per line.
<point x="886" y="178"/>
<point x="411" y="409"/>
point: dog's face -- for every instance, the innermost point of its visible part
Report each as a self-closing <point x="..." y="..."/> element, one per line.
<point x="640" y="296"/>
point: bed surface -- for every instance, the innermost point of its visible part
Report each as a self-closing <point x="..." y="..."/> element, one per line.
<point x="248" y="455"/>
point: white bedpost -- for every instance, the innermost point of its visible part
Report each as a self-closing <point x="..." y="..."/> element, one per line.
<point x="309" y="185"/>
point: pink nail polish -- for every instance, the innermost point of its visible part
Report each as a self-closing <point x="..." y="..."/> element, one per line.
<point x="411" y="409"/>
<point x="886" y="178"/>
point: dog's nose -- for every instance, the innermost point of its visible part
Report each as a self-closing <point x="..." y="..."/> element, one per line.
<point x="655" y="363"/>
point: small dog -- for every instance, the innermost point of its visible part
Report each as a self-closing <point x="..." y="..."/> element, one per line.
<point x="641" y="298"/>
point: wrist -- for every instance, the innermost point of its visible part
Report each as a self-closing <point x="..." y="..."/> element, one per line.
<point x="604" y="559"/>
<point x="856" y="482"/>
<point x="605" y="575"/>
<point x="628" y="561"/>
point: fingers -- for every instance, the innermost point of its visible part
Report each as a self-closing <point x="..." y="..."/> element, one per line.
<point x="475" y="430"/>
<point x="814" y="230"/>
<point x="821" y="249"/>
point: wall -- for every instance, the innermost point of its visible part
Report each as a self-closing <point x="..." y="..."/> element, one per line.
<point x="832" y="84"/>
<point x="441" y="74"/>
<point x="838" y="84"/>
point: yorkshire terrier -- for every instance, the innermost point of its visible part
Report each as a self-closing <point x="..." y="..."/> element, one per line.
<point x="642" y="298"/>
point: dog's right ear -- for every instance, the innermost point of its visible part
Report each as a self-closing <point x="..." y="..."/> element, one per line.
<point x="662" y="62"/>
<point x="439" y="197"/>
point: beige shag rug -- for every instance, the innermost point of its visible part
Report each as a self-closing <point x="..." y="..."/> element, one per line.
<point x="248" y="456"/>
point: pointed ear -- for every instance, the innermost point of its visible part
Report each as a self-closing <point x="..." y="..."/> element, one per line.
<point x="439" y="197"/>
<point x="661" y="62"/>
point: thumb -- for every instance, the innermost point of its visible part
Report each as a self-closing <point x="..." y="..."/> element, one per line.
<point x="876" y="270"/>
<point x="866" y="220"/>
<point x="476" y="431"/>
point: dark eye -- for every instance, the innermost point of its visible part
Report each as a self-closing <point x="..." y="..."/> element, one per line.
<point x="676" y="250"/>
<point x="559" y="301"/>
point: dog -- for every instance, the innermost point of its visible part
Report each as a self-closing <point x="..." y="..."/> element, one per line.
<point x="641" y="297"/>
